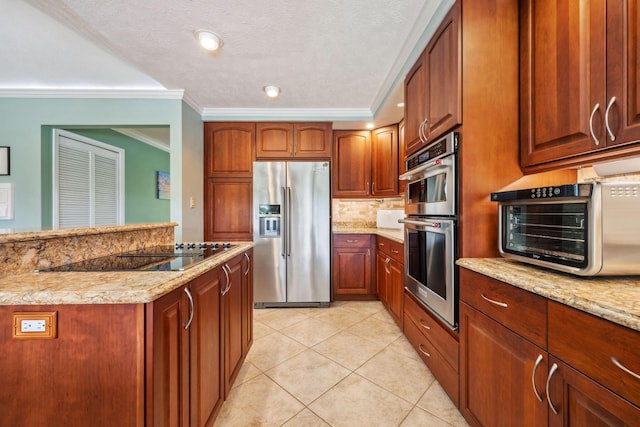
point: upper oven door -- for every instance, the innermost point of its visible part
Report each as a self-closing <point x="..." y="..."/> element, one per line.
<point x="432" y="190"/>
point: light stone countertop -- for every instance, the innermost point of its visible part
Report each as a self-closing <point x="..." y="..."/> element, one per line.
<point x="117" y="287"/>
<point x="389" y="233"/>
<point x="613" y="298"/>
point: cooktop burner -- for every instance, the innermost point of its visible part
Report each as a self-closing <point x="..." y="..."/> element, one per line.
<point x="157" y="258"/>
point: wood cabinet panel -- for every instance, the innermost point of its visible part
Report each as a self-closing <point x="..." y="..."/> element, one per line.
<point x="233" y="317"/>
<point x="523" y="312"/>
<point x="247" y="302"/>
<point x="351" y="173"/>
<point x="89" y="373"/>
<point x="390" y="277"/>
<point x="312" y="140"/>
<point x="228" y="209"/>
<point x="384" y="161"/>
<point x="414" y="106"/>
<point x="205" y="338"/>
<point x="352" y="267"/>
<point x="581" y="401"/>
<point x="591" y="344"/>
<point x="229" y="149"/>
<point x="496" y="368"/>
<point x="274" y="140"/>
<point x="304" y="140"/>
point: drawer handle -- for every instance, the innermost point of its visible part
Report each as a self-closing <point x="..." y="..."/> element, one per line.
<point x="553" y="370"/>
<point x="423" y="352"/>
<point x="352" y="241"/>
<point x="533" y="377"/>
<point x="424" y="326"/>
<point x="394" y="251"/>
<point x="498" y="303"/>
<point x="624" y="368"/>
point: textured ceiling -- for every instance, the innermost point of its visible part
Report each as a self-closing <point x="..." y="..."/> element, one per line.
<point x="339" y="59"/>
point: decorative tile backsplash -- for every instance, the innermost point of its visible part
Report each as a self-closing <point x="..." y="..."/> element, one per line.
<point x="362" y="211"/>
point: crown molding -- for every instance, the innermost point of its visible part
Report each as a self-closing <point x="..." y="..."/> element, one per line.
<point x="93" y="93"/>
<point x="132" y="133"/>
<point x="286" y="114"/>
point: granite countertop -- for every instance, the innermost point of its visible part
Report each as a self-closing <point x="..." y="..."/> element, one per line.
<point x="118" y="287"/>
<point x="389" y="233"/>
<point x="613" y="298"/>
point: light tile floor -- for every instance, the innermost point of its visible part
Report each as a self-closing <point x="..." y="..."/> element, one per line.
<point x="347" y="365"/>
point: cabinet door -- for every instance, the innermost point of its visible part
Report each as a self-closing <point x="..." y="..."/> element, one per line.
<point x="443" y="73"/>
<point x="581" y="401"/>
<point x="395" y="290"/>
<point x="312" y="140"/>
<point x="382" y="277"/>
<point x="352" y="273"/>
<point x="228" y="209"/>
<point x="351" y="163"/>
<point x="229" y="149"/>
<point x="247" y="302"/>
<point x="623" y="72"/>
<point x="205" y="349"/>
<point x="384" y="161"/>
<point x="171" y="360"/>
<point x="562" y="72"/>
<point x="414" y="106"/>
<point x="496" y="369"/>
<point x="274" y="140"/>
<point x="232" y="323"/>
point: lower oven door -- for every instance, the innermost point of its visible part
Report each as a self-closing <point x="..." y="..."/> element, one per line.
<point x="430" y="254"/>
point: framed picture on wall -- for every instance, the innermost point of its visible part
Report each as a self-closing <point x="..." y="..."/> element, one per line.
<point x="4" y="161"/>
<point x="163" y="185"/>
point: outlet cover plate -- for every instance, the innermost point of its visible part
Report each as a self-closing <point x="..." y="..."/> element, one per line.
<point x="35" y="324"/>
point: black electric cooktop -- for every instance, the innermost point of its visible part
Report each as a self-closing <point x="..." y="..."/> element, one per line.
<point x="158" y="258"/>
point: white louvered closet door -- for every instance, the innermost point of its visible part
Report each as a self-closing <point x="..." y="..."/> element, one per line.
<point x="87" y="184"/>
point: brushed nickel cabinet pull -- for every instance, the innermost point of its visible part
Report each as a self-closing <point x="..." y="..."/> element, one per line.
<point x="191" y="309"/>
<point x="246" y="273"/>
<point x="423" y="352"/>
<point x="427" y="327"/>
<point x="498" y="303"/>
<point x="386" y="263"/>
<point x="606" y="119"/>
<point x="394" y="251"/>
<point x="352" y="241"/>
<point x="593" y="135"/>
<point x="553" y="370"/>
<point x="533" y="377"/>
<point x="624" y="368"/>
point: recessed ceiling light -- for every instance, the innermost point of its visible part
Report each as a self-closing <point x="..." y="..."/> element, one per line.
<point x="272" y="91"/>
<point x="369" y="126"/>
<point x="208" y="40"/>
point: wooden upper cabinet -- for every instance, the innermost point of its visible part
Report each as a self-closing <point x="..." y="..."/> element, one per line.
<point x="229" y="149"/>
<point x="433" y="87"/>
<point x="293" y="140"/>
<point x="579" y="72"/>
<point x="384" y="161"/>
<point x="351" y="163"/>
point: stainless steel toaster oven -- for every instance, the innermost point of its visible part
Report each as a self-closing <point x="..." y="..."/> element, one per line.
<point x="587" y="229"/>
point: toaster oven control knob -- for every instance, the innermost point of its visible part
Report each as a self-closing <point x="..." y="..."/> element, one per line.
<point x="214" y="246"/>
<point x="226" y="245"/>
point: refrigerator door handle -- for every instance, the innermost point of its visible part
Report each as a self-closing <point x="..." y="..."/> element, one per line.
<point x="284" y="229"/>
<point x="289" y="222"/>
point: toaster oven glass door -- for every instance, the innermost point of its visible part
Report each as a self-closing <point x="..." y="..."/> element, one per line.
<point x="555" y="232"/>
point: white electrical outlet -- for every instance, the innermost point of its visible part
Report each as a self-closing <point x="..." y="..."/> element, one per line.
<point x="33" y="325"/>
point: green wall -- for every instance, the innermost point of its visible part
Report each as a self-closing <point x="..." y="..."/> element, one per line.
<point x="26" y="122"/>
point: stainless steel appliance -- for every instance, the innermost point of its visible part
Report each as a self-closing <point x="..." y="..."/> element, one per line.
<point x="176" y="257"/>
<point x="431" y="209"/>
<point x="586" y="229"/>
<point x="292" y="229"/>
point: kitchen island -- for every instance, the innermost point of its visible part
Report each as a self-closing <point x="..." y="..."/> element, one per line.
<point x="135" y="348"/>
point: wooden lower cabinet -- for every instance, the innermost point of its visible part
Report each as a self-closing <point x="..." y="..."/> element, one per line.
<point x="436" y="345"/>
<point x="233" y="316"/>
<point x="495" y="374"/>
<point x="571" y="380"/>
<point x="390" y="276"/>
<point x="352" y="267"/>
<point x="228" y="209"/>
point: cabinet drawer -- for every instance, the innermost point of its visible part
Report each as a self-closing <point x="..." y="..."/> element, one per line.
<point x="393" y="250"/>
<point x="431" y="329"/>
<point x="446" y="374"/>
<point x="351" y="240"/>
<point x="519" y="310"/>
<point x="592" y="345"/>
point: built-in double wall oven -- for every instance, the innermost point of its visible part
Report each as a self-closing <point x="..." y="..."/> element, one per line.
<point x="430" y="225"/>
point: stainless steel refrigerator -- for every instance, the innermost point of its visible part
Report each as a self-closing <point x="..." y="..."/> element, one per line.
<point x="292" y="227"/>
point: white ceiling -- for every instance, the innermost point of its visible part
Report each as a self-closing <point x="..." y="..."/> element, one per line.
<point x="339" y="60"/>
